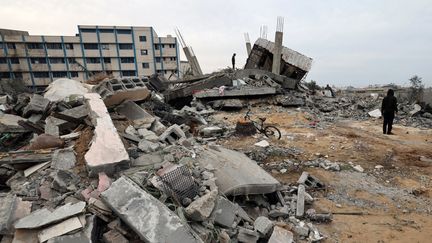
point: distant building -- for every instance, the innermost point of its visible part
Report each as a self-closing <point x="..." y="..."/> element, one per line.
<point x="118" y="50"/>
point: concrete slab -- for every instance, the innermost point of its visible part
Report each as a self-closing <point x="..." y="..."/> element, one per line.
<point x="7" y="207"/>
<point x="281" y="235"/>
<point x="37" y="105"/>
<point x="106" y="151"/>
<point x="44" y="217"/>
<point x="9" y="123"/>
<point x="62" y="228"/>
<point x="263" y="225"/>
<point x="146" y="215"/>
<point x="63" y="159"/>
<point x="26" y="236"/>
<point x="225" y="213"/>
<point x="113" y="236"/>
<point x="201" y="208"/>
<point x="214" y="93"/>
<point x="300" y="200"/>
<point x="236" y="174"/>
<point x="135" y="113"/>
<point x="88" y="235"/>
<point x="62" y="88"/>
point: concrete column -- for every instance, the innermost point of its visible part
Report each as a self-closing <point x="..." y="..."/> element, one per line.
<point x="193" y="61"/>
<point x="248" y="48"/>
<point x="277" y="53"/>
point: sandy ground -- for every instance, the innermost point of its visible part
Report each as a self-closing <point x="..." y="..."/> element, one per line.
<point x="395" y="201"/>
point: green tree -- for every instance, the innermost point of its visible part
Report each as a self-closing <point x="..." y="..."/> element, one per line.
<point x="416" y="89"/>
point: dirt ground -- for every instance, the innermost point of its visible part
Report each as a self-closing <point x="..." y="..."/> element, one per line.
<point x="390" y="204"/>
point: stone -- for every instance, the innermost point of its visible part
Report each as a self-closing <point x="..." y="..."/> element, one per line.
<point x="37" y="105"/>
<point x="281" y="235"/>
<point x="247" y="235"/>
<point x="201" y="208"/>
<point x="131" y="130"/>
<point x="279" y="212"/>
<point x="148" y="135"/>
<point x="262" y="144"/>
<point x="378" y="167"/>
<point x="236" y="174"/>
<point x="62" y="228"/>
<point x="300" y="200"/>
<point x="212" y="131"/>
<point x="157" y="127"/>
<point x="88" y="235"/>
<point x="104" y="182"/>
<point x="146" y="215"/>
<point x="44" y="217"/>
<point x="263" y="225"/>
<point x="375" y="113"/>
<point x="113" y="236"/>
<point x="358" y="168"/>
<point x="147" y="159"/>
<point x="64" y="181"/>
<point x="416" y="109"/>
<point x="7" y="207"/>
<point x="135" y="113"/>
<point x="106" y="152"/>
<point x="26" y="236"/>
<point x="147" y="146"/>
<point x="172" y="134"/>
<point x="225" y="213"/>
<point x="301" y="229"/>
<point x="425" y="159"/>
<point x="63" y="159"/>
<point x="9" y="123"/>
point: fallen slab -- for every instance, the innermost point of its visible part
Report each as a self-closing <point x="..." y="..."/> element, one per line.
<point x="88" y="235"/>
<point x="115" y="91"/>
<point x="135" y="113"/>
<point x="146" y="215"/>
<point x="214" y="93"/>
<point x="44" y="217"/>
<point x="62" y="228"/>
<point x="281" y="235"/>
<point x="7" y="207"/>
<point x="106" y="151"/>
<point x="236" y="174"/>
<point x="62" y="88"/>
<point x="9" y="123"/>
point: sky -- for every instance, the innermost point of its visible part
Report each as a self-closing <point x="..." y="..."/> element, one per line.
<point x="353" y="43"/>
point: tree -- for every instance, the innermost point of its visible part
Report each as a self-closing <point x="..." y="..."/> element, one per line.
<point x="312" y="86"/>
<point x="416" y="89"/>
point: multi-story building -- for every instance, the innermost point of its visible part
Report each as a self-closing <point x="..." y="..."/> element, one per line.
<point x="117" y="50"/>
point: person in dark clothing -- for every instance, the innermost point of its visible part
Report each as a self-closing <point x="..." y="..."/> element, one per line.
<point x="233" y="61"/>
<point x="331" y="90"/>
<point x="388" y="110"/>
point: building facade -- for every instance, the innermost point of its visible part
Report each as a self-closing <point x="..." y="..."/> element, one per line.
<point x="118" y="50"/>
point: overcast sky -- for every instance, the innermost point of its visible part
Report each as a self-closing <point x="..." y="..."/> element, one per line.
<point x="355" y="43"/>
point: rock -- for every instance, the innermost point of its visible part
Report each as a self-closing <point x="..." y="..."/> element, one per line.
<point x="378" y="167"/>
<point x="7" y="207"/>
<point x="113" y="236"/>
<point x="147" y="146"/>
<point x="247" y="235"/>
<point x="427" y="115"/>
<point x="37" y="105"/>
<point x="88" y="235"/>
<point x="425" y="159"/>
<point x="147" y="159"/>
<point x="415" y="110"/>
<point x="64" y="181"/>
<point x="131" y="130"/>
<point x="225" y="213"/>
<point x="146" y="215"/>
<point x="63" y="159"/>
<point x="279" y="212"/>
<point x="281" y="235"/>
<point x="262" y="144"/>
<point x="375" y="113"/>
<point x="201" y="208"/>
<point x="148" y="135"/>
<point x="212" y="131"/>
<point x="9" y="123"/>
<point x="358" y="168"/>
<point x="44" y="217"/>
<point x="263" y="225"/>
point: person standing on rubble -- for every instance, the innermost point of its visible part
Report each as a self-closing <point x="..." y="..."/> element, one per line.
<point x="388" y="110"/>
<point x="233" y="61"/>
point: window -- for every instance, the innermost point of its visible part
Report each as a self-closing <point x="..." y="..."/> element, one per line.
<point x="156" y="46"/>
<point x="128" y="73"/>
<point x="124" y="31"/>
<point x="59" y="74"/>
<point x="91" y="46"/>
<point x="93" y="60"/>
<point x="2" y="45"/>
<point x="14" y="60"/>
<point x="38" y="60"/>
<point x="34" y="46"/>
<point x="145" y="65"/>
<point x="172" y="58"/>
<point x="125" y="46"/>
<point x="56" y="60"/>
<point x="127" y="60"/>
<point x="41" y="74"/>
<point x="171" y="45"/>
<point x="56" y="46"/>
<point x="105" y="46"/>
<point x="144" y="52"/>
<point x="18" y="75"/>
<point x="158" y="59"/>
<point x="88" y="30"/>
<point x="11" y="46"/>
<point x="3" y="60"/>
<point x="74" y="74"/>
<point x="163" y="45"/>
<point x="71" y="60"/>
<point x="69" y="46"/>
<point x="106" y="30"/>
<point x="143" y="38"/>
<point x="4" y="75"/>
<point x="107" y="60"/>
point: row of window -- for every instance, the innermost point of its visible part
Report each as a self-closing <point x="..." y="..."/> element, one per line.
<point x="158" y="46"/>
<point x="60" y="60"/>
<point x="19" y="75"/>
<point x="119" y="31"/>
<point x="87" y="46"/>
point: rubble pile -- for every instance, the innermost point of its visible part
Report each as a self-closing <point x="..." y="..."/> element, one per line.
<point x="115" y="163"/>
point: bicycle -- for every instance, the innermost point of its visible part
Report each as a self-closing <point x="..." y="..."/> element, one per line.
<point x="269" y="131"/>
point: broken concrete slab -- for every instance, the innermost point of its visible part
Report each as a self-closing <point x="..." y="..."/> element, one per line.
<point x="29" y="171"/>
<point x="115" y="91"/>
<point x="44" y="217"/>
<point x="64" y="181"/>
<point x="62" y="88"/>
<point x="113" y="236"/>
<point x="26" y="236"/>
<point x="300" y="200"/>
<point x="416" y="109"/>
<point x="280" y="235"/>
<point x="106" y="151"/>
<point x="37" y="105"/>
<point x="247" y="235"/>
<point x="135" y="113"/>
<point x="62" y="228"/>
<point x="375" y="113"/>
<point x="7" y="207"/>
<point x="147" y="159"/>
<point x="63" y="159"/>
<point x="236" y="174"/>
<point x="245" y="91"/>
<point x="212" y="131"/>
<point x="9" y="123"/>
<point x="88" y="235"/>
<point x="263" y="225"/>
<point x="148" y="135"/>
<point x="225" y="213"/>
<point x="228" y="104"/>
<point x="146" y="215"/>
<point x="173" y="134"/>
<point x="147" y="146"/>
<point x="262" y="144"/>
<point x="201" y="208"/>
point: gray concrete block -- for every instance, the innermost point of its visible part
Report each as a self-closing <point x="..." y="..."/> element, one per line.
<point x="263" y="225"/>
<point x="147" y="146"/>
<point x="172" y="134"/>
<point x="135" y="113"/>
<point x="7" y="207"/>
<point x="225" y="213"/>
<point x="37" y="105"/>
<point x="280" y="235"/>
<point x="88" y="235"/>
<point x="146" y="215"/>
<point x="247" y="235"/>
<point x="300" y="201"/>
<point x="201" y="208"/>
<point x="63" y="159"/>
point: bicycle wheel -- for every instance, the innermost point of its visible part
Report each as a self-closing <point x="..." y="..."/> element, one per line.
<point x="272" y="132"/>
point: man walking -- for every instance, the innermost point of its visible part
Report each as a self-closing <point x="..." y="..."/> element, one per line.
<point x="388" y="110"/>
<point x="233" y="61"/>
